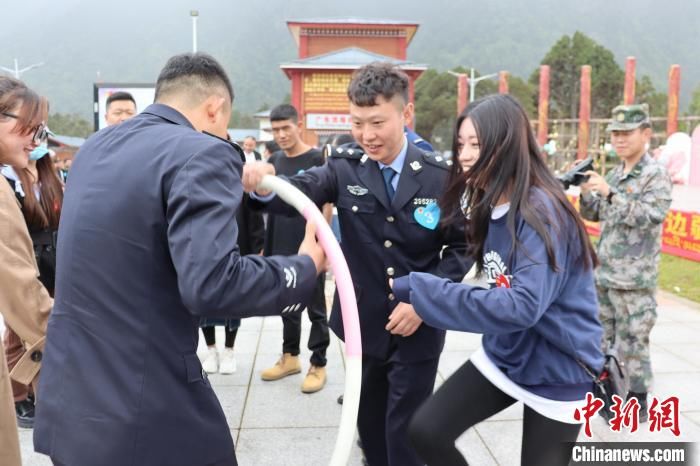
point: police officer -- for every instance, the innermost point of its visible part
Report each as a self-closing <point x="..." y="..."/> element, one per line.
<point x="386" y="195"/>
<point x="631" y="203"/>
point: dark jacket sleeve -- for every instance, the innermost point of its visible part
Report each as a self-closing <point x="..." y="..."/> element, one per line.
<point x="454" y="262"/>
<point x="318" y="183"/>
<point x="256" y="226"/>
<point x="213" y="278"/>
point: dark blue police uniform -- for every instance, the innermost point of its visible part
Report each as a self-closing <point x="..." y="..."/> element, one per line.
<point x="415" y="139"/>
<point x="384" y="239"/>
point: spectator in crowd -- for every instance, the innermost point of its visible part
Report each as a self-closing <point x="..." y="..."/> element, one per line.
<point x="270" y="148"/>
<point x="283" y="236"/>
<point x="40" y="193"/>
<point x="250" y="145"/>
<point x="120" y="107"/>
<point x="24" y="302"/>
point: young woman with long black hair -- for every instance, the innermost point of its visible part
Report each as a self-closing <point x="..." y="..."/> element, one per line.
<point x="537" y="306"/>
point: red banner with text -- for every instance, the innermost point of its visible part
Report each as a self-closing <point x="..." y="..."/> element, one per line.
<point x="680" y="236"/>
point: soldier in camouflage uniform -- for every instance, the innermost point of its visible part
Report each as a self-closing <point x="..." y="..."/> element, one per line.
<point x="631" y="203"/>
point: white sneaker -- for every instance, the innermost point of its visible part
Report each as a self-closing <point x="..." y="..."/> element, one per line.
<point x="211" y="362"/>
<point x="228" y="362"/>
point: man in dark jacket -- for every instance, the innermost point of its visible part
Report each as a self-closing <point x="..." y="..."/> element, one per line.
<point x="143" y="255"/>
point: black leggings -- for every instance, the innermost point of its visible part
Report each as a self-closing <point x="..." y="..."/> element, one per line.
<point x="210" y="336"/>
<point x="467" y="398"/>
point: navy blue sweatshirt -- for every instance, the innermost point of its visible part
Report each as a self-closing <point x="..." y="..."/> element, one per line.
<point x="536" y="321"/>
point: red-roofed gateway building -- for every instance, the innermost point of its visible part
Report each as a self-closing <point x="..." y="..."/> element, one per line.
<point x="329" y="52"/>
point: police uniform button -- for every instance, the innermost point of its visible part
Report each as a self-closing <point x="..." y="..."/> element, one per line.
<point x="390" y="219"/>
<point x="387" y="244"/>
<point x="354" y="208"/>
<point x="36" y="356"/>
<point x="390" y="271"/>
<point x="391" y="297"/>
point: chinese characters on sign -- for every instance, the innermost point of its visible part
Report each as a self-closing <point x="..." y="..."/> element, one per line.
<point x="328" y="121"/>
<point x="680" y="235"/>
<point x="662" y="414"/>
<point x="326" y="92"/>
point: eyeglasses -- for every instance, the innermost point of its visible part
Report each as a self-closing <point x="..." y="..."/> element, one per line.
<point x="40" y="132"/>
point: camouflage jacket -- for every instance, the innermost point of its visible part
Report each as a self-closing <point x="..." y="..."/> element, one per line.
<point x="630" y="224"/>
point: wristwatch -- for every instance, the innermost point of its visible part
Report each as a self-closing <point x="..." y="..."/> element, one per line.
<point x="611" y="193"/>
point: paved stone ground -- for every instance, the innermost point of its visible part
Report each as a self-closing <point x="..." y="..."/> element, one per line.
<point x="273" y="423"/>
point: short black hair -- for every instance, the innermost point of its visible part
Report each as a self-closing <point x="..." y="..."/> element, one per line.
<point x="284" y="112"/>
<point x="250" y="136"/>
<point x="377" y="79"/>
<point x="120" y="95"/>
<point x="338" y="139"/>
<point x="196" y="74"/>
<point x="271" y="146"/>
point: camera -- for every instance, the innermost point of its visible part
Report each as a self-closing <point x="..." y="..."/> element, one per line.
<point x="576" y="176"/>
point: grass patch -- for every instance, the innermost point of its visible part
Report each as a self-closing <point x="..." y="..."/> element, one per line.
<point x="676" y="275"/>
<point x="680" y="276"/>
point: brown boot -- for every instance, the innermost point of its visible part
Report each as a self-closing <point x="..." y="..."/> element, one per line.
<point x="287" y="365"/>
<point x="315" y="380"/>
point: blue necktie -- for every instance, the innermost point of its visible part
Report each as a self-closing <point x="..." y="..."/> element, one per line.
<point x="388" y="174"/>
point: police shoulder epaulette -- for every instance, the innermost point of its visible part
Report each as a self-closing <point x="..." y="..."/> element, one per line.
<point x="437" y="159"/>
<point x="343" y="152"/>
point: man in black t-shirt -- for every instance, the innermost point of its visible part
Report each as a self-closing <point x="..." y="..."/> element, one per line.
<point x="283" y="236"/>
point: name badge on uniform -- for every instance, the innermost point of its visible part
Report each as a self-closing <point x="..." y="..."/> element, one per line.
<point x="427" y="216"/>
<point x="357" y="190"/>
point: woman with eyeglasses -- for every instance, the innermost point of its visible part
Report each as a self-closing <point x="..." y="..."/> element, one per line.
<point x="24" y="301"/>
<point x="40" y="193"/>
<point x="535" y="304"/>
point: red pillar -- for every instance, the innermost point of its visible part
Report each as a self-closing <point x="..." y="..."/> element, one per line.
<point x="462" y="92"/>
<point x="401" y="47"/>
<point x="630" y="65"/>
<point x="584" y="112"/>
<point x="503" y="82"/>
<point x="297" y="91"/>
<point x="543" y="106"/>
<point x="674" y="88"/>
<point x="303" y="45"/>
<point x="411" y="98"/>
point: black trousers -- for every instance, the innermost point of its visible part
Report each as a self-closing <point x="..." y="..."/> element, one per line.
<point x="319" y="338"/>
<point x="391" y="393"/>
<point x="467" y="398"/>
<point x="210" y="336"/>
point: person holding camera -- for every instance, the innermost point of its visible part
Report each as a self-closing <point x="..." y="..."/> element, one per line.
<point x="631" y="203"/>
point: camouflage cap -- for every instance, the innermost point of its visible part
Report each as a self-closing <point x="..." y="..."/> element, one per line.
<point x="629" y="117"/>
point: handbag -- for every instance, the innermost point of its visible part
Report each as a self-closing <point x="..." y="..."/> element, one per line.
<point x="612" y="380"/>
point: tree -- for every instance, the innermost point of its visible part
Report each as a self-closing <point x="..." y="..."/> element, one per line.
<point x="242" y="120"/>
<point x="694" y="107"/>
<point x="436" y="107"/>
<point x="436" y="102"/>
<point x="70" y="125"/>
<point x="525" y="92"/>
<point x="565" y="59"/>
<point x="645" y="93"/>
